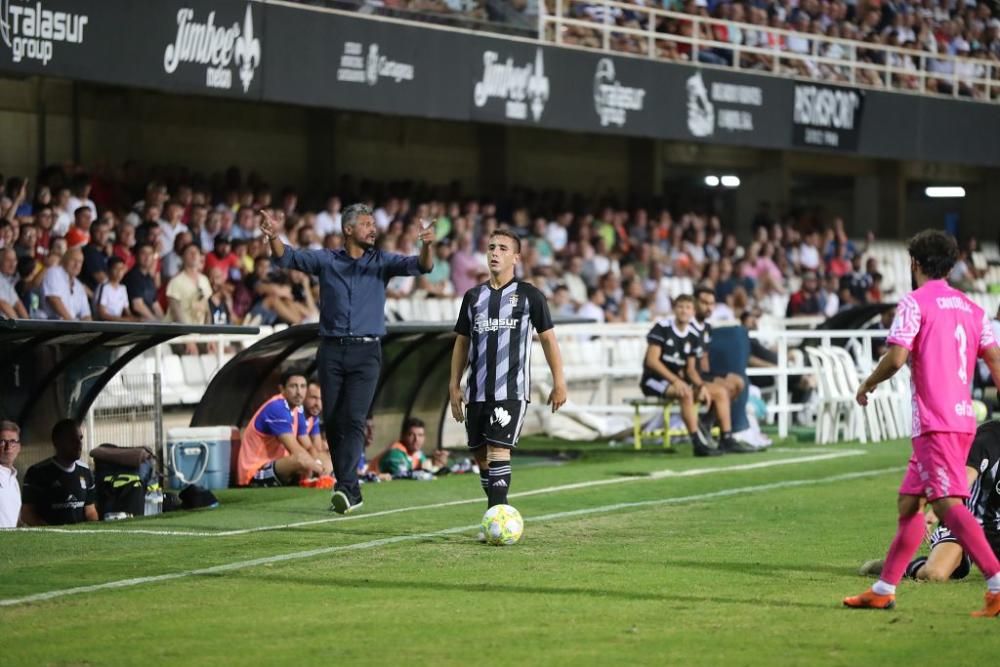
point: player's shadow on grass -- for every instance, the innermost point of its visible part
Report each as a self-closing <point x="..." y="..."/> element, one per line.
<point x="671" y="597"/>
<point x="738" y="567"/>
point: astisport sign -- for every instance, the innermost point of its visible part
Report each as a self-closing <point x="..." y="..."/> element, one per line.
<point x="827" y="116"/>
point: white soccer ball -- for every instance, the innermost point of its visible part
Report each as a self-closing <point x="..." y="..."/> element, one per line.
<point x="980" y="410"/>
<point x="502" y="525"/>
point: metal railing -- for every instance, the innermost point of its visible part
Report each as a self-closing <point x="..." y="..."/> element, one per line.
<point x="773" y="51"/>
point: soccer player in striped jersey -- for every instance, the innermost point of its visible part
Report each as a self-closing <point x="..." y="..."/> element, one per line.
<point x="494" y="337"/>
<point x="941" y="333"/>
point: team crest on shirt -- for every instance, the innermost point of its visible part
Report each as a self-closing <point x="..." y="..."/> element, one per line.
<point x="83" y="482"/>
<point x="513" y="300"/>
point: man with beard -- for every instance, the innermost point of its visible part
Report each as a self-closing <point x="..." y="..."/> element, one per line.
<point x="352" y="284"/>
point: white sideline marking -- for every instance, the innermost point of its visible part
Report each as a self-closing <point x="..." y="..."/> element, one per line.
<point x="658" y="474"/>
<point x="299" y="555"/>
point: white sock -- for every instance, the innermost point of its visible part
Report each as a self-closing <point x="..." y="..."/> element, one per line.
<point x="882" y="588"/>
<point x="993" y="583"/>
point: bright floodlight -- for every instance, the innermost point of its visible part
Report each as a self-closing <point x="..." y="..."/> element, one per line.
<point x="712" y="181"/>
<point x="731" y="181"/>
<point x="945" y="191"/>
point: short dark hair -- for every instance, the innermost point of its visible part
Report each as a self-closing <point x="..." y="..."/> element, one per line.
<point x="411" y="423"/>
<point x="934" y="251"/>
<point x="510" y="235"/>
<point x="350" y="215"/>
<point x="114" y="261"/>
<point x="681" y="298"/>
<point x="64" y="428"/>
<point x="703" y="289"/>
<point x="286" y="376"/>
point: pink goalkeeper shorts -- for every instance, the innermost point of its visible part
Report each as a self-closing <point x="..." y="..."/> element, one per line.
<point x="937" y="467"/>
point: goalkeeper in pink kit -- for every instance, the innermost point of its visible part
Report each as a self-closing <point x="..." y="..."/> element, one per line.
<point x="941" y="333"/>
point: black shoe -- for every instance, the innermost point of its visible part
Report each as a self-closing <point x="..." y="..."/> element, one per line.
<point x="341" y="504"/>
<point x="731" y="445"/>
<point x="703" y="445"/>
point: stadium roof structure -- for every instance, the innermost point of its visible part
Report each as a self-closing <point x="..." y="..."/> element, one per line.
<point x="50" y="370"/>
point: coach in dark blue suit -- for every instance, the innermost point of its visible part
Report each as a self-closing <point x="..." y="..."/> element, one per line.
<point x="352" y="303"/>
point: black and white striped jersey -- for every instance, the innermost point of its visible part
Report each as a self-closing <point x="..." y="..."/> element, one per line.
<point x="984" y="456"/>
<point x="498" y="323"/>
<point x="704" y="332"/>
<point x="676" y="347"/>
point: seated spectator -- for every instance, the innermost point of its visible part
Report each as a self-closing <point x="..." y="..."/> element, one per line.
<point x="220" y="304"/>
<point x="63" y="295"/>
<point x="189" y="290"/>
<point x="438" y="281"/>
<point x="222" y="255"/>
<point x="171" y="227"/>
<point x="405" y="456"/>
<point x="124" y="246"/>
<point x="806" y="300"/>
<point x="60" y="490"/>
<point x="10" y="493"/>
<point x="10" y="303"/>
<point x="593" y="307"/>
<point x="95" y="257"/>
<point x="141" y="283"/>
<point x="277" y="300"/>
<point x="111" y="298"/>
<point x="275" y="449"/>
<point x="79" y="234"/>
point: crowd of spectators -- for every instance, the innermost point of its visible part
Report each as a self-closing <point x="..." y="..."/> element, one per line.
<point x="927" y="28"/>
<point x="80" y="246"/>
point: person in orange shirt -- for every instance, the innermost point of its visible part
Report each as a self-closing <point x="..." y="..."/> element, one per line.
<point x="276" y="449"/>
<point x="403" y="457"/>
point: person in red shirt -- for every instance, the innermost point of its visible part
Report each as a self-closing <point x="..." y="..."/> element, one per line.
<point x="79" y="234"/>
<point x="223" y="257"/>
<point x="839" y="265"/>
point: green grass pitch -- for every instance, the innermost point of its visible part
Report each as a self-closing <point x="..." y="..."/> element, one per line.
<point x="627" y="558"/>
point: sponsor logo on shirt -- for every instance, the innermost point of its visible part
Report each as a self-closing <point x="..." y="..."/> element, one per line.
<point x="485" y="324"/>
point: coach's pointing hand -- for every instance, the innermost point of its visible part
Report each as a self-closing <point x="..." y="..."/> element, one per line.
<point x="427" y="234"/>
<point x="268" y="225"/>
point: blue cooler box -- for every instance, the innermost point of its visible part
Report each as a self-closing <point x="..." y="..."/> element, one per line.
<point x="199" y="456"/>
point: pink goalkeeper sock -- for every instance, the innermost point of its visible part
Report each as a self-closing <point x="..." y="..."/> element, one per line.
<point x="969" y="534"/>
<point x="904" y="546"/>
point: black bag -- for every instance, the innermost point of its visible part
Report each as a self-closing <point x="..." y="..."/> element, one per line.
<point x="122" y="475"/>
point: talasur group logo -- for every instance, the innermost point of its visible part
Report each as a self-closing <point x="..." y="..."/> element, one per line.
<point x="521" y="86"/>
<point x="219" y="48"/>
<point x="31" y="31"/>
<point x="612" y="100"/>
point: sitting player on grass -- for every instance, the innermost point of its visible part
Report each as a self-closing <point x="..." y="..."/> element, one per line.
<point x="275" y="448"/>
<point x="947" y="560"/>
<point x="404" y="457"/>
<point x="670" y="358"/>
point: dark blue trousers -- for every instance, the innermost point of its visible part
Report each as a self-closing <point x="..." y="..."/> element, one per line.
<point x="348" y="377"/>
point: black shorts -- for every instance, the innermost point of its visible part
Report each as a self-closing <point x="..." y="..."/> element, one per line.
<point x="941" y="535"/>
<point x="266" y="476"/>
<point x="494" y="423"/>
<point x="654" y="387"/>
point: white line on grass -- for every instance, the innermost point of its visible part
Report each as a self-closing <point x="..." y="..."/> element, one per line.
<point x="658" y="474"/>
<point x="371" y="544"/>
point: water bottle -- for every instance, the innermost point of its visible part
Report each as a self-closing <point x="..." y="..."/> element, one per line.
<point x="154" y="500"/>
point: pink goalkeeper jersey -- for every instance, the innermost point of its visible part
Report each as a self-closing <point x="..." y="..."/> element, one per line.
<point x="945" y="332"/>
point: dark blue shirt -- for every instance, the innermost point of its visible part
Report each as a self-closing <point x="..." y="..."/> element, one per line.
<point x="351" y="291"/>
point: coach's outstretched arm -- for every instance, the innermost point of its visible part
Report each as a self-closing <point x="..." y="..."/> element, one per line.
<point x="893" y="360"/>
<point x="459" y="360"/>
<point x="301" y="260"/>
<point x="554" y="359"/>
